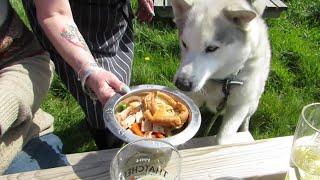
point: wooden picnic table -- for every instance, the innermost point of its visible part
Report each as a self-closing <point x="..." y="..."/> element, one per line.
<point x="262" y="159"/>
<point x="273" y="8"/>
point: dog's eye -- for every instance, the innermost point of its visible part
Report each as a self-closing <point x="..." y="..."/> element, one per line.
<point x="184" y="44"/>
<point x="211" y="49"/>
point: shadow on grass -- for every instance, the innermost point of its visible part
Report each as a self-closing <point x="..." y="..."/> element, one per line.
<point x="157" y="37"/>
<point x="206" y="118"/>
<point x="161" y="23"/>
<point x="76" y="138"/>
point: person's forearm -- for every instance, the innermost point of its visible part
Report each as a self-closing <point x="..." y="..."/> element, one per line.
<point x="68" y="41"/>
<point x="56" y="19"/>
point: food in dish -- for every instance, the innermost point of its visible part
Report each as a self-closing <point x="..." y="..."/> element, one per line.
<point x="153" y="114"/>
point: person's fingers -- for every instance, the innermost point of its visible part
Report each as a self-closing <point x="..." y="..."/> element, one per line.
<point x="125" y="89"/>
<point x="143" y="3"/>
<point x="148" y="6"/>
<point x="105" y="93"/>
<point x="151" y="5"/>
<point x="114" y="82"/>
<point x="143" y="17"/>
<point x="149" y="17"/>
<point x="146" y="16"/>
<point x="145" y="10"/>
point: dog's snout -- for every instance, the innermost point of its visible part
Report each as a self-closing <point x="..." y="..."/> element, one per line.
<point x="183" y="84"/>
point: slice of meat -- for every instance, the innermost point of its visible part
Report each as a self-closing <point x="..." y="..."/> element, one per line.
<point x="161" y="109"/>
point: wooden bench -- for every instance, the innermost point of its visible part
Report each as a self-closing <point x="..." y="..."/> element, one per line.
<point x="266" y="159"/>
<point x="274" y="8"/>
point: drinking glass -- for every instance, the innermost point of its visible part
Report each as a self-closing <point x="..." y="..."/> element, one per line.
<point x="146" y="159"/>
<point x="305" y="153"/>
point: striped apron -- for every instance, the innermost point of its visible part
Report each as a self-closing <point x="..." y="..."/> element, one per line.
<point x="106" y="26"/>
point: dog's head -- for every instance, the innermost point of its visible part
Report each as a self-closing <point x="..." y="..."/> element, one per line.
<point x="213" y="38"/>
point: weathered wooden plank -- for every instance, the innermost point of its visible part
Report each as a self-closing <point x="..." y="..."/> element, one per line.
<point x="91" y="157"/>
<point x="158" y="3"/>
<point x="270" y="4"/>
<point x="167" y="2"/>
<point x="275" y="12"/>
<point x="107" y="155"/>
<point x="292" y="174"/>
<point x="164" y="12"/>
<point x="264" y="159"/>
<point x="98" y="170"/>
<point x="240" y="137"/>
<point x="273" y="8"/>
<point x="255" y="160"/>
<point x="279" y="4"/>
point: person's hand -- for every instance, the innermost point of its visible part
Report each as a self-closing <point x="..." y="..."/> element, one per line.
<point x="105" y="84"/>
<point x="145" y="11"/>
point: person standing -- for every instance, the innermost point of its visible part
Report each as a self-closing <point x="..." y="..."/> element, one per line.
<point x="91" y="44"/>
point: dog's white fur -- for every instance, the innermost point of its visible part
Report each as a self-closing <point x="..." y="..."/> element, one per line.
<point x="219" y="38"/>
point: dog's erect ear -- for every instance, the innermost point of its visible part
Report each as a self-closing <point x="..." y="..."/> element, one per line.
<point x="180" y="8"/>
<point x="240" y="17"/>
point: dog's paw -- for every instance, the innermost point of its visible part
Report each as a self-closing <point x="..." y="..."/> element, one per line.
<point x="215" y="141"/>
<point x="223" y="140"/>
<point x="220" y="141"/>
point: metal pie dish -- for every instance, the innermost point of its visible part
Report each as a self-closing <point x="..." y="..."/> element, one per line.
<point x="193" y="123"/>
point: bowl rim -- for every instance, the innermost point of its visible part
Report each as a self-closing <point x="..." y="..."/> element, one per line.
<point x="190" y="130"/>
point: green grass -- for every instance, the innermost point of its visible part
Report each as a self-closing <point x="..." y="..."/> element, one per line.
<point x="294" y="79"/>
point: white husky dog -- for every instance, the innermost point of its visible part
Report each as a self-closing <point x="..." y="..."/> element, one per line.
<point x="225" y="58"/>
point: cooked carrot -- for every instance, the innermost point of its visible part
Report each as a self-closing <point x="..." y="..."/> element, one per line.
<point x="158" y="135"/>
<point x="135" y="128"/>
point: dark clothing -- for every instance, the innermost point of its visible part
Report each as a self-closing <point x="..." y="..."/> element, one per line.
<point x="15" y="38"/>
<point x="106" y="25"/>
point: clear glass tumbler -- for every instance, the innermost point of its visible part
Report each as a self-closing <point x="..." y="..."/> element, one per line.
<point x="305" y="154"/>
<point x="146" y="159"/>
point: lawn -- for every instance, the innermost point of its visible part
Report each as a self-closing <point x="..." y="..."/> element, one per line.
<point x="294" y="79"/>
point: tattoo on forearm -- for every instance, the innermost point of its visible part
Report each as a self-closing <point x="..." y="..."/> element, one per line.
<point x="72" y="34"/>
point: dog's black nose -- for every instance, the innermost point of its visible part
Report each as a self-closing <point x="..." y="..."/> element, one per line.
<point x="183" y="84"/>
